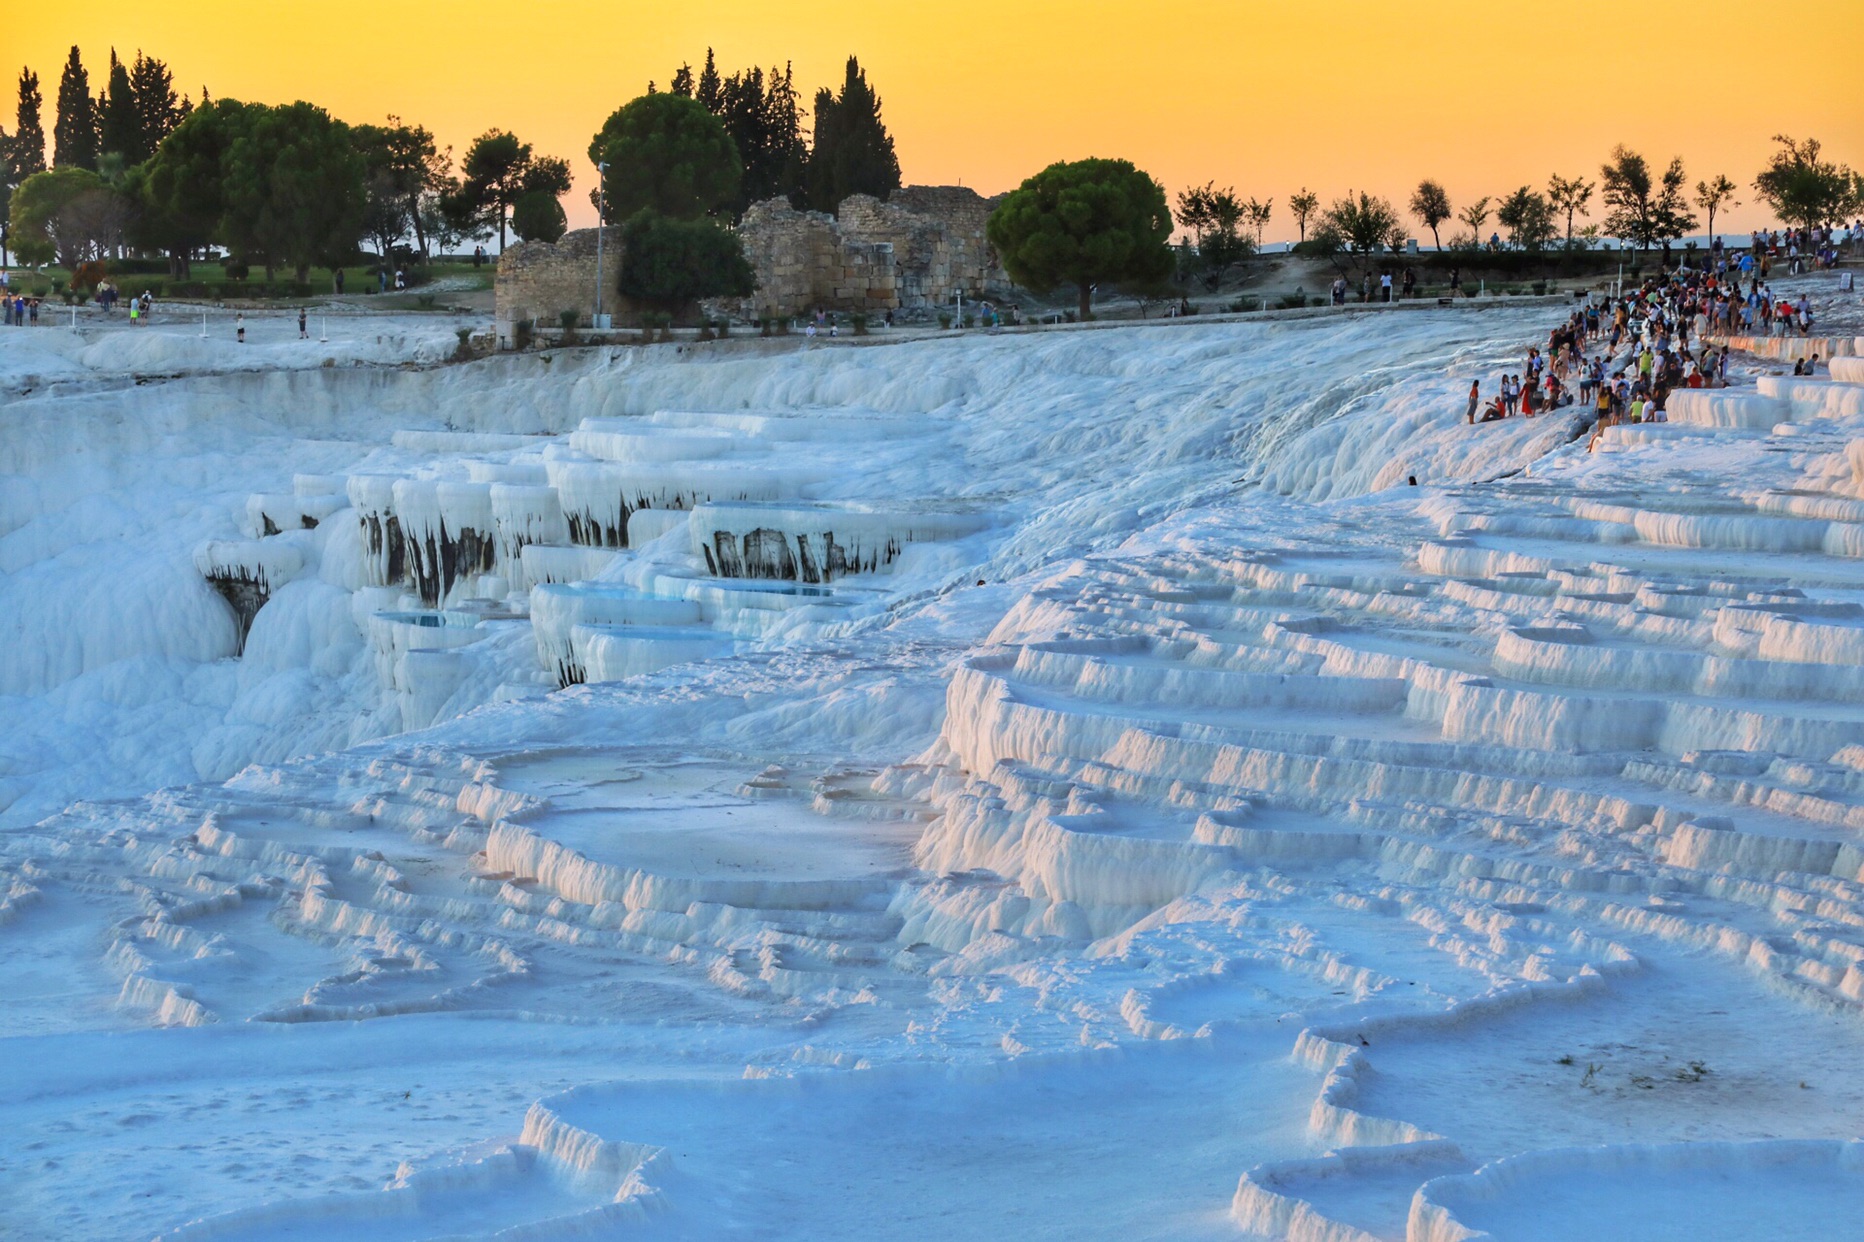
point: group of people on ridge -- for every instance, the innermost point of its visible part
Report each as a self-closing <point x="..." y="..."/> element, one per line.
<point x="1649" y="342"/>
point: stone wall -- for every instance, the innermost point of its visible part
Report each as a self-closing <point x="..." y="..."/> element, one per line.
<point x="539" y="281"/>
<point x="805" y="259"/>
<point x="937" y="234"/>
<point x="915" y="251"/>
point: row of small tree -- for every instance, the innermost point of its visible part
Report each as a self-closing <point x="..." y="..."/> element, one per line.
<point x="1643" y="206"/>
<point x="1104" y="221"/>
<point x="1646" y="207"/>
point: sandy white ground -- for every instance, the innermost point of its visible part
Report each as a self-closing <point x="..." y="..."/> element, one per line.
<point x="1173" y="824"/>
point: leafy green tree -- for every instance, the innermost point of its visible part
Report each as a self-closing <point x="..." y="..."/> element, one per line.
<point x="28" y="148"/>
<point x="1713" y="196"/>
<point x="294" y="188"/>
<point x="1803" y="189"/>
<point x="853" y="152"/>
<point x="1569" y="196"/>
<point x="1431" y="204"/>
<point x="401" y="167"/>
<point x="1674" y="218"/>
<point x="538" y="216"/>
<point x="670" y="264"/>
<point x="181" y="189"/>
<point x="1630" y="199"/>
<point x="499" y="170"/>
<point x="74" y="130"/>
<point x="1364" y="223"/>
<point x="68" y="215"/>
<point x="119" y="125"/>
<point x="1302" y="205"/>
<point x="667" y="154"/>
<point x="1528" y="217"/>
<point x="1473" y="216"/>
<point x="441" y="226"/>
<point x="1084" y="223"/>
<point x="1193" y="209"/>
<point x="1259" y="214"/>
<point x="1644" y="208"/>
<point x="1215" y="218"/>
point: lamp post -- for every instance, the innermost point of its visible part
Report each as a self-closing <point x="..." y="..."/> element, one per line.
<point x="601" y="210"/>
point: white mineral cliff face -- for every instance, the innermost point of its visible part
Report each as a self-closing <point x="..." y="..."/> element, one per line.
<point x="482" y="481"/>
<point x="1167" y="823"/>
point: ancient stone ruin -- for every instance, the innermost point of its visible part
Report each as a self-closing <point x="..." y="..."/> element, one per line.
<point x="916" y="251"/>
<point x="537" y="281"/>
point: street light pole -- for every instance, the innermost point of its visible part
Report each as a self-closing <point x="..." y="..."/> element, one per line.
<point x="601" y="209"/>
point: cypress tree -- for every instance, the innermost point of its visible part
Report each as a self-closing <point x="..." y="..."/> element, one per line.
<point x="6" y="194"/>
<point x="74" y="131"/>
<point x="28" y="152"/>
<point x="119" y="128"/>
<point x="853" y="151"/>
<point x="707" y="91"/>
<point x="152" y="86"/>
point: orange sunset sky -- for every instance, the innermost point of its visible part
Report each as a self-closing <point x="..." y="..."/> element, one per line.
<point x="1267" y="97"/>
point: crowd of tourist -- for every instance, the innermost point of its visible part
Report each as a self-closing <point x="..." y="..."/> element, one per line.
<point x="1804" y="249"/>
<point x="1622" y="356"/>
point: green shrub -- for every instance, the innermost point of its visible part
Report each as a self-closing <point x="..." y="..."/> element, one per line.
<point x="463" y="351"/>
<point x="944" y="319"/>
<point x="237" y="269"/>
<point x="521" y="333"/>
<point x="652" y="320"/>
<point x="1292" y="301"/>
<point x="671" y="264"/>
<point x="567" y="319"/>
<point x="860" y="323"/>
